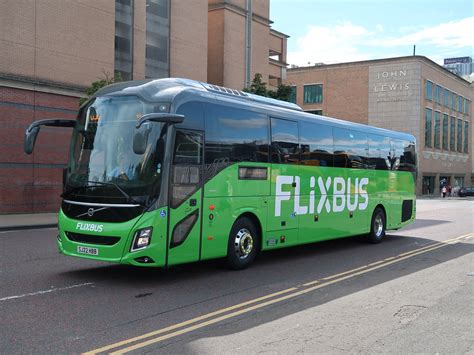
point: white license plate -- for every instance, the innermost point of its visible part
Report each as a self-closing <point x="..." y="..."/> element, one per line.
<point x="87" y="250"/>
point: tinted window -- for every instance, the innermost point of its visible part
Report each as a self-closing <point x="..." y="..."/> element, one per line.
<point x="234" y="135"/>
<point x="187" y="148"/>
<point x="452" y="134"/>
<point x="350" y="149"/>
<point x="428" y="127"/>
<point x="313" y="94"/>
<point x="193" y="115"/>
<point x="284" y="142"/>
<point x="429" y="90"/>
<point x="316" y="144"/>
<point x="292" y="97"/>
<point x="459" y="140"/>
<point x="379" y="153"/>
<point x="403" y="155"/>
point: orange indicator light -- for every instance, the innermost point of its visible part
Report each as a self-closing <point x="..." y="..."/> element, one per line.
<point x="212" y="207"/>
<point x="210" y="238"/>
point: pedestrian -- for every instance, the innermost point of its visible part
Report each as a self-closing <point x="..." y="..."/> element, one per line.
<point x="443" y="190"/>
<point x="449" y="188"/>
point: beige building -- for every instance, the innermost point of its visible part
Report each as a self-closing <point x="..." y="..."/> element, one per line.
<point x="235" y="56"/>
<point x="409" y="94"/>
<point x="52" y="50"/>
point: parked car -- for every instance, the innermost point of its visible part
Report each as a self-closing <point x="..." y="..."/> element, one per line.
<point x="466" y="191"/>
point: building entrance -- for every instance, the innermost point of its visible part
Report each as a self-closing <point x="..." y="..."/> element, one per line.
<point x="428" y="185"/>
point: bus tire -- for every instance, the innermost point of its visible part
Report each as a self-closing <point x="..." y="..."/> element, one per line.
<point x="377" y="226"/>
<point x="243" y="244"/>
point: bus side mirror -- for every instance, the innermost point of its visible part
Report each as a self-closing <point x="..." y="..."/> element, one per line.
<point x="32" y="131"/>
<point x="140" y="139"/>
<point x="30" y="139"/>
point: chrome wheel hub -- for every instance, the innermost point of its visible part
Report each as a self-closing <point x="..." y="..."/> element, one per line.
<point x="243" y="243"/>
<point x="378" y="226"/>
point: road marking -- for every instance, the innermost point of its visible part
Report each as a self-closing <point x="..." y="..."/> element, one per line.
<point x="189" y="326"/>
<point x="190" y="321"/>
<point x="43" y="292"/>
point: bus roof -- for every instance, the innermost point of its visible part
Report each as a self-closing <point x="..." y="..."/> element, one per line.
<point x="168" y="89"/>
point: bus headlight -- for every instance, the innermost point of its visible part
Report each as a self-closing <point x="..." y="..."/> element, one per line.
<point x="141" y="239"/>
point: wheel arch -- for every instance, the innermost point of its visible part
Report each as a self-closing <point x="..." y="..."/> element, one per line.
<point x="256" y="221"/>
<point x="382" y="207"/>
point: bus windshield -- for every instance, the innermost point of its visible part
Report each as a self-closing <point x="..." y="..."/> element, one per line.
<point x="102" y="162"/>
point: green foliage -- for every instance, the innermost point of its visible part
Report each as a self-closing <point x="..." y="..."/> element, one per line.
<point x="259" y="87"/>
<point x="99" y="84"/>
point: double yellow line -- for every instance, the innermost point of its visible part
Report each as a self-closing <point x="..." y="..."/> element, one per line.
<point x="248" y="306"/>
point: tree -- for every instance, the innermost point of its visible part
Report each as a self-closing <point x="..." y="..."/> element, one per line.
<point x="99" y="84"/>
<point x="258" y="87"/>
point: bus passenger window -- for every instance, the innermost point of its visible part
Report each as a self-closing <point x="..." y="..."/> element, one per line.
<point x="316" y="144"/>
<point x="235" y="135"/>
<point x="403" y="155"/>
<point x="284" y="142"/>
<point x="350" y="149"/>
<point x="379" y="153"/>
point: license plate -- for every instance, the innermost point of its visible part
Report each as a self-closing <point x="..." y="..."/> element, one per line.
<point x="87" y="250"/>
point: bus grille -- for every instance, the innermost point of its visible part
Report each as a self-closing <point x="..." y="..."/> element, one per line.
<point x="92" y="239"/>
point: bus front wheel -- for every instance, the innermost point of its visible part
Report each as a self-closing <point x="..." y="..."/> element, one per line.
<point x="243" y="244"/>
<point x="377" y="226"/>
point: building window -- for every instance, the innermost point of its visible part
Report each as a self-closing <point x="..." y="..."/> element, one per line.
<point x="454" y="99"/>
<point x="459" y="145"/>
<point x="157" y="39"/>
<point x="313" y="94"/>
<point x="292" y="97"/>
<point x="316" y="112"/>
<point x="428" y="128"/>
<point x="124" y="38"/>
<point x="446" y="97"/>
<point x="445" y="131"/>
<point x="438" y="91"/>
<point x="452" y="135"/>
<point x="466" y="137"/>
<point x="437" y="129"/>
<point x="466" y="106"/>
<point x="429" y="90"/>
<point x="460" y="104"/>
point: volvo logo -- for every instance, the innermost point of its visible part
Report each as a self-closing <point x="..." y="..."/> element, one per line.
<point x="90" y="212"/>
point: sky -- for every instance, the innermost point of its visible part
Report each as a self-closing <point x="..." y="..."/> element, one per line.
<point x="325" y="31"/>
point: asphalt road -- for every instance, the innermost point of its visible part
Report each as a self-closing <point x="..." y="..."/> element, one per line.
<point x="411" y="293"/>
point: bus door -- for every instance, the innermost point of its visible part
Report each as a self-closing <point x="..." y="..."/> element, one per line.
<point x="185" y="197"/>
<point x="282" y="224"/>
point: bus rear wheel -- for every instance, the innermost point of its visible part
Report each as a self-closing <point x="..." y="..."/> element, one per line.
<point x="243" y="244"/>
<point x="377" y="226"/>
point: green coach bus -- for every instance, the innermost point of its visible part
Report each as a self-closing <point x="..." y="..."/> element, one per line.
<point x="172" y="171"/>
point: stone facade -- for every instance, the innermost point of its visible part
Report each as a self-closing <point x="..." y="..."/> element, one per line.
<point x="390" y="93"/>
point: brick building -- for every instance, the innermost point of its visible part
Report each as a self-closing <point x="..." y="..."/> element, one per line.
<point x="408" y="94"/>
<point x="51" y="50"/>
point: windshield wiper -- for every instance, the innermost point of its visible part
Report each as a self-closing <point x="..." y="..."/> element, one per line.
<point x="99" y="183"/>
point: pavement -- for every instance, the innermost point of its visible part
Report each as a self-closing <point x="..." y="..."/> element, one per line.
<point x="28" y="221"/>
